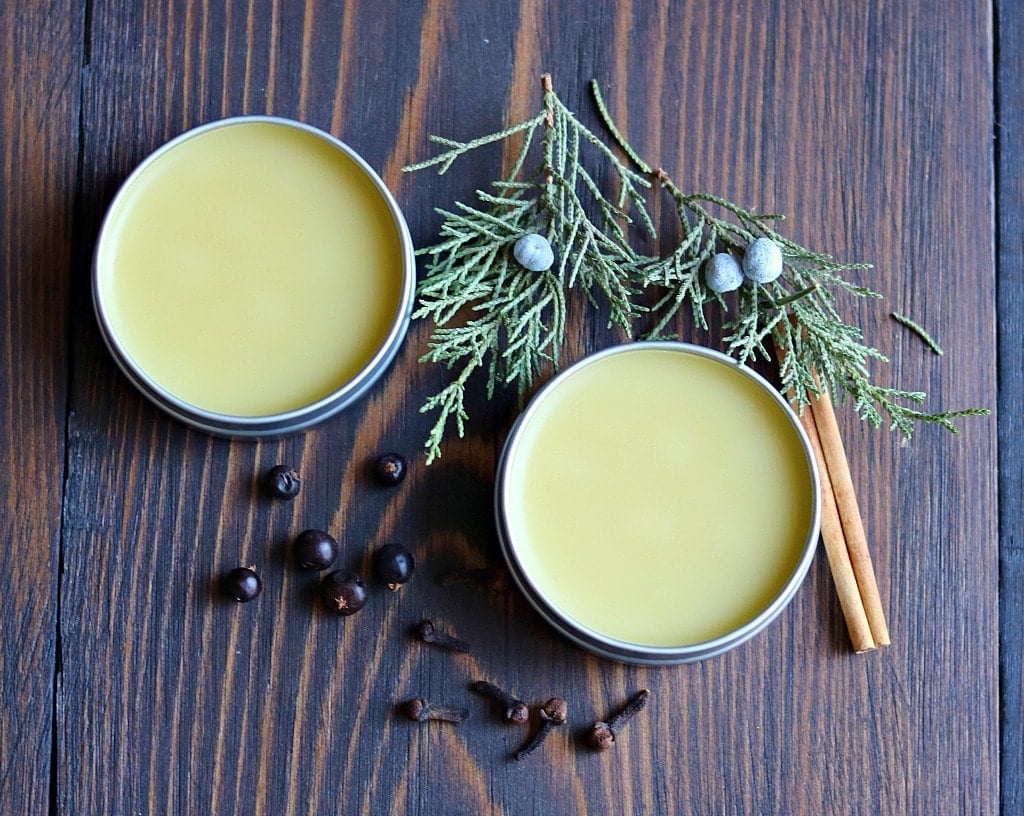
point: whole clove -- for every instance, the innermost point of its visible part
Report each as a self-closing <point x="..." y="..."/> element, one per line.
<point x="602" y="734"/>
<point x="553" y="714"/>
<point x="515" y="710"/>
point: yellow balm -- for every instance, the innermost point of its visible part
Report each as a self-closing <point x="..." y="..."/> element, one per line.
<point x="252" y="268"/>
<point x="659" y="495"/>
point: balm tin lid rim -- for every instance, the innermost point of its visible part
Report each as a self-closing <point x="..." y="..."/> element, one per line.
<point x="638" y="653"/>
<point x="294" y="419"/>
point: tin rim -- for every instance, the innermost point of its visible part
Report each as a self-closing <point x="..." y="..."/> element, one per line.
<point x="297" y="418"/>
<point x="638" y="653"/>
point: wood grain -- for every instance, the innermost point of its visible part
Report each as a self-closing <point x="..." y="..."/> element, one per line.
<point x="869" y="124"/>
<point x="1010" y="276"/>
<point x="38" y="154"/>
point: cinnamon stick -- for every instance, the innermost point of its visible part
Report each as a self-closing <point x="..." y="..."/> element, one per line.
<point x="841" y="528"/>
<point x="839" y="560"/>
<point x="849" y="514"/>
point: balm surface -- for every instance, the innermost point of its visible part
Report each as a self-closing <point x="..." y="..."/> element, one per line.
<point x="251" y="269"/>
<point x="658" y="497"/>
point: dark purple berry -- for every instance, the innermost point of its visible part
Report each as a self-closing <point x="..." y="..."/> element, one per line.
<point x="282" y="482"/>
<point x="242" y="584"/>
<point x="343" y="592"/>
<point x="314" y="549"/>
<point x="393" y="564"/>
<point x="389" y="469"/>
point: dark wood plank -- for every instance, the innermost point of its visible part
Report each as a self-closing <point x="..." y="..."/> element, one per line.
<point x="177" y="702"/>
<point x="38" y="151"/>
<point x="1010" y="276"/>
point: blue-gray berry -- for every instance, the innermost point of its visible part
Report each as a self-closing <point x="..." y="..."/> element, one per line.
<point x="534" y="252"/>
<point x="723" y="273"/>
<point x="763" y="261"/>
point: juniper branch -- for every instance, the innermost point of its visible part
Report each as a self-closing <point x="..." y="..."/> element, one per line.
<point x="516" y="319"/>
<point x="804" y="293"/>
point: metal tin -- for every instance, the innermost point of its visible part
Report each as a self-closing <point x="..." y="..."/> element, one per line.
<point x="638" y="653"/>
<point x="306" y="415"/>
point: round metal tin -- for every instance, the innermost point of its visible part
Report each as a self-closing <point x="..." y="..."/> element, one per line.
<point x="304" y="416"/>
<point x="638" y="653"/>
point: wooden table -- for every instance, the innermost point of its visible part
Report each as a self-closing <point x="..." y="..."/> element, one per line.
<point x="888" y="132"/>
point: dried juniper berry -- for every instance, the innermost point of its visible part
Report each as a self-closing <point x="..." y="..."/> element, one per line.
<point x="243" y="584"/>
<point x="314" y="549"/>
<point x="343" y="592"/>
<point x="393" y="564"/>
<point x="282" y="482"/>
<point x="389" y="469"/>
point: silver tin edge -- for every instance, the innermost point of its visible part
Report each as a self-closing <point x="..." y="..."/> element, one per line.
<point x="634" y="653"/>
<point x="289" y="421"/>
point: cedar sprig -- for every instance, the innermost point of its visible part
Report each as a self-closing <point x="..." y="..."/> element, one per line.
<point x="919" y="330"/>
<point x="797" y="312"/>
<point x="513" y="320"/>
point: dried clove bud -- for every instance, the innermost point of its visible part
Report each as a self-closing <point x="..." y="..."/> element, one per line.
<point x="602" y="734"/>
<point x="553" y="714"/>
<point x="515" y="710"/>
